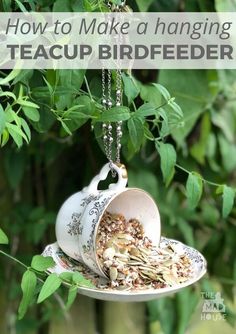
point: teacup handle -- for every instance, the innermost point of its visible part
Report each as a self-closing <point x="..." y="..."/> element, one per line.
<point x="121" y="183"/>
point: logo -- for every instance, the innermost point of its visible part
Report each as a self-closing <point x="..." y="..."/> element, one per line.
<point x="213" y="307"/>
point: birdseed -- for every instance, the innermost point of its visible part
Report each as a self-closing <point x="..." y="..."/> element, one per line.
<point x="131" y="261"/>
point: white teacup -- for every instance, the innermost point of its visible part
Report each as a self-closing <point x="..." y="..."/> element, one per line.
<point x="79" y="217"/>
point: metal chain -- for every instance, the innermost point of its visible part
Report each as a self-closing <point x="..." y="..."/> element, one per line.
<point x="107" y="103"/>
<point x="107" y="127"/>
<point x="119" y="94"/>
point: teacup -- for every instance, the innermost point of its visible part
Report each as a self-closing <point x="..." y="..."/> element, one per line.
<point x="79" y="217"/>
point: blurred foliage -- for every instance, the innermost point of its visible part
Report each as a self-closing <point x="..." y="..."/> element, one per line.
<point x="50" y="129"/>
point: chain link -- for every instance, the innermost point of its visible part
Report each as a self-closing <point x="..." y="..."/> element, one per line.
<point x="107" y="103"/>
<point x="107" y="127"/>
<point x="119" y="94"/>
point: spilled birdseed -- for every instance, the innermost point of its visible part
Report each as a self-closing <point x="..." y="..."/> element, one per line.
<point x="132" y="262"/>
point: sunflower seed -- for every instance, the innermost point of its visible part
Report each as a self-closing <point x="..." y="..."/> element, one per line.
<point x="113" y="273"/>
<point x="109" y="253"/>
<point x="132" y="262"/>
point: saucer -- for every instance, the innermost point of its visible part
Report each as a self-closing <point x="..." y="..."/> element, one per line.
<point x="66" y="264"/>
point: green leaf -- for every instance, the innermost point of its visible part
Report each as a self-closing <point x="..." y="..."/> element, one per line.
<point x="165" y="129"/>
<point x="67" y="276"/>
<point x="62" y="6"/>
<point x="77" y="115"/>
<point x="224" y="120"/>
<point x="8" y="94"/>
<point x="145" y="179"/>
<point x="23" y="76"/>
<point x="32" y="113"/>
<point x="72" y="293"/>
<point x="52" y="283"/>
<point x="210" y="214"/>
<point x="191" y="89"/>
<point x="3" y="238"/>
<point x="21" y="6"/>
<point x="228" y="201"/>
<point x="26" y="103"/>
<point x="114" y="115"/>
<point x="194" y="189"/>
<point x="4" y="138"/>
<point x="136" y="132"/>
<point x="87" y="5"/>
<point x="86" y="104"/>
<point x="186" y="230"/>
<point x="165" y="319"/>
<point x="220" y="189"/>
<point x="42" y="92"/>
<point x="42" y="263"/>
<point x="65" y="127"/>
<point x="147" y="133"/>
<point x="146" y="110"/>
<point x="228" y="153"/>
<point x="11" y="116"/>
<point x="211" y="150"/>
<point x="225" y="5"/>
<point x="9" y="77"/>
<point x="72" y="78"/>
<point x="26" y="128"/>
<point x="49" y="86"/>
<point x="80" y="280"/>
<point x="2" y="120"/>
<point x="149" y="93"/>
<point x="144" y="5"/>
<point x="131" y="88"/>
<point x="168" y="160"/>
<point x="16" y="133"/>
<point x="74" y="119"/>
<point x="74" y="108"/>
<point x="176" y="108"/>
<point x="16" y="137"/>
<point x="164" y="92"/>
<point x="28" y="285"/>
<point x="198" y="150"/>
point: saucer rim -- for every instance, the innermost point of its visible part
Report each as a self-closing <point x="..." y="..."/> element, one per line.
<point x="101" y="293"/>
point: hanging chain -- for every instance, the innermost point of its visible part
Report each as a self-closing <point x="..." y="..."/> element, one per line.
<point x="107" y="103"/>
<point x="119" y="94"/>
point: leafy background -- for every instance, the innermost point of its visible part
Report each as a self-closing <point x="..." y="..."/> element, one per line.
<point x="180" y="150"/>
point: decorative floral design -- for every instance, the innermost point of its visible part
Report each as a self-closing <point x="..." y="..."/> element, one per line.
<point x="192" y="253"/>
<point x="95" y="211"/>
<point x="87" y="200"/>
<point x="75" y="227"/>
<point x="66" y="261"/>
<point x="86" y="249"/>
